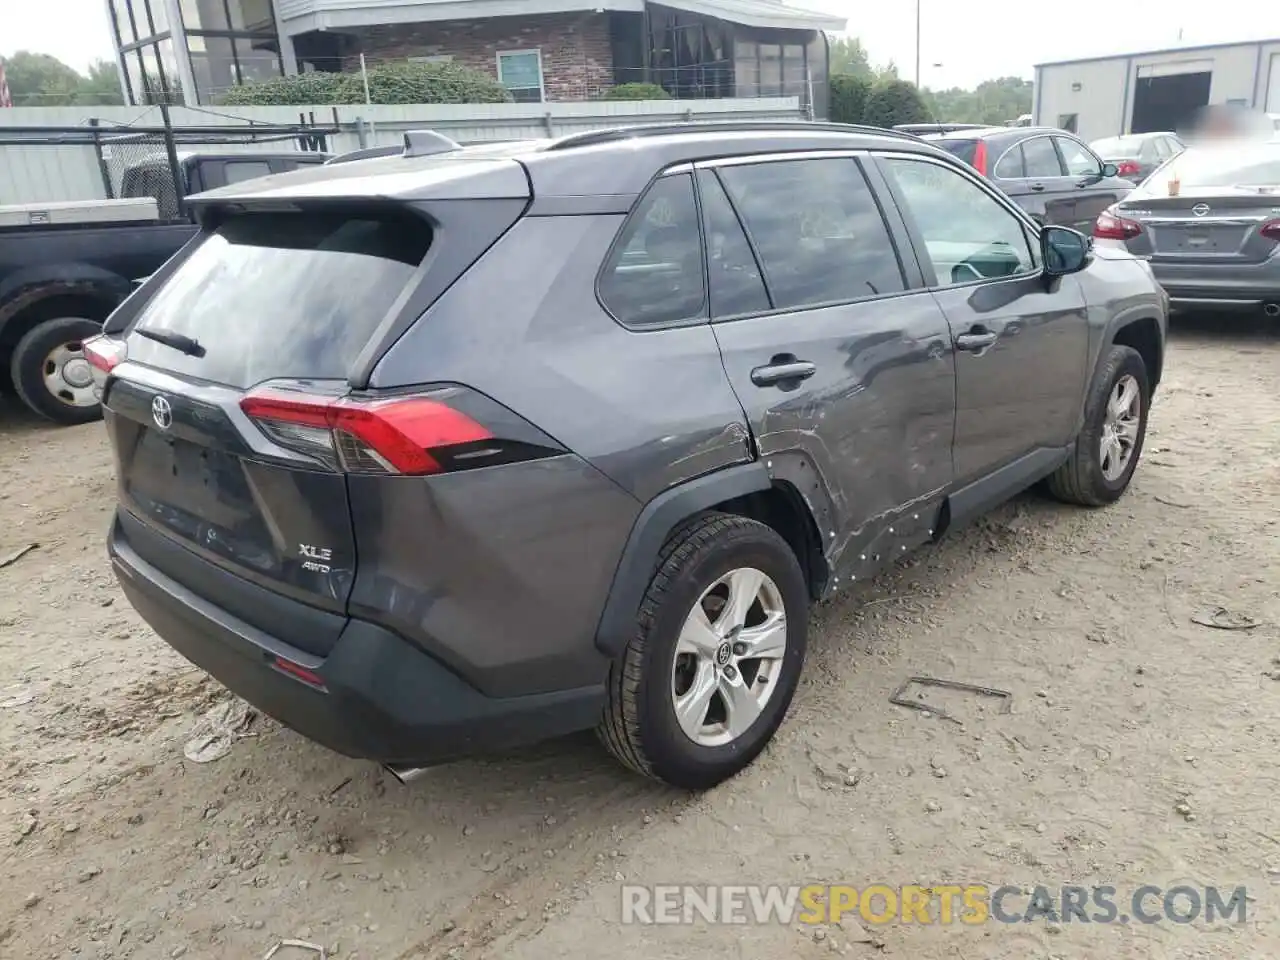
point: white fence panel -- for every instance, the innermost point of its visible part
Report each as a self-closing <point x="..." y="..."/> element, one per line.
<point x="40" y="173"/>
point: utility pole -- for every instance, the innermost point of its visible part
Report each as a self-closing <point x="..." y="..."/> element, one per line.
<point x="917" y="44"/>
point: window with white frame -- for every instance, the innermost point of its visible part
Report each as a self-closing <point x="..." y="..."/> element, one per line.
<point x="520" y="71"/>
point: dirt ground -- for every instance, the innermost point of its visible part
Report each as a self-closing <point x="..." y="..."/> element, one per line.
<point x="1140" y="749"/>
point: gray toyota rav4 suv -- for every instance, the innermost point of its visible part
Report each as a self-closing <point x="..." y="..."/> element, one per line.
<point x="451" y="451"/>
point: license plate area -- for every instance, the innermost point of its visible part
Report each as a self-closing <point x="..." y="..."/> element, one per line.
<point x="195" y="490"/>
<point x="1200" y="239"/>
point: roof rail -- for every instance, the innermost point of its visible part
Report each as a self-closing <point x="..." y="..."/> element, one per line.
<point x="366" y="153"/>
<point x="590" y="138"/>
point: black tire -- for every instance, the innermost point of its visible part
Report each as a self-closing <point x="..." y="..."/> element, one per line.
<point x="1080" y="480"/>
<point x="640" y="726"/>
<point x="27" y="368"/>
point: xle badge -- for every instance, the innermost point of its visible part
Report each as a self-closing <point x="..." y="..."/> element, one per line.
<point x="315" y="559"/>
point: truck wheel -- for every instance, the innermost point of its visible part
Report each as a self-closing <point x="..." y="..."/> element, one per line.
<point x="1115" y="426"/>
<point x="719" y="644"/>
<point x="51" y="374"/>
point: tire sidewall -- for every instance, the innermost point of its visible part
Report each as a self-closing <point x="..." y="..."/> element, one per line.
<point x="673" y="755"/>
<point x="28" y="362"/>
<point x="1122" y="361"/>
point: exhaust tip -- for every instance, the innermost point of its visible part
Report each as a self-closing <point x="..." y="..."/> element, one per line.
<point x="405" y="774"/>
<point x="1272" y="309"/>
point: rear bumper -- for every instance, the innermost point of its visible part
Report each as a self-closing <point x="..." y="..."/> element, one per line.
<point x="1219" y="287"/>
<point x="383" y="699"/>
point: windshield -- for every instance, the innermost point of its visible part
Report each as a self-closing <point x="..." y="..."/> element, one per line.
<point x="1245" y="165"/>
<point x="1117" y="146"/>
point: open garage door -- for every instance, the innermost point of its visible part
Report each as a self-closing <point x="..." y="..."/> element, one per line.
<point x="1167" y="95"/>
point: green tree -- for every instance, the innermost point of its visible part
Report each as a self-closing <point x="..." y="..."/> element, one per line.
<point x="849" y="56"/>
<point x="101" y="85"/>
<point x="992" y="101"/>
<point x="887" y="73"/>
<point x="849" y="93"/>
<point x="39" y="80"/>
<point x="895" y="102"/>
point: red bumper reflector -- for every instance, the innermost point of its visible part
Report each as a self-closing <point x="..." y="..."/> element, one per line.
<point x="299" y="672"/>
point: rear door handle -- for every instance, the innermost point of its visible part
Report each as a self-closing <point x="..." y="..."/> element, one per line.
<point x="783" y="371"/>
<point x="1037" y="187"/>
<point x="975" y="341"/>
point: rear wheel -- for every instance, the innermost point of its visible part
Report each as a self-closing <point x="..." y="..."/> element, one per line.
<point x="707" y="678"/>
<point x="1115" y="426"/>
<point x="51" y="374"/>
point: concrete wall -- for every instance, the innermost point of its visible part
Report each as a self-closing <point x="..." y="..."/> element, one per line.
<point x="41" y="173"/>
<point x="1101" y="91"/>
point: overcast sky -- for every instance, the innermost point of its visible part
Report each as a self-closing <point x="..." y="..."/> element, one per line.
<point x="971" y="47"/>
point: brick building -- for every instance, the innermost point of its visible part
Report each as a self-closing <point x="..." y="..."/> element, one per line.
<point x="541" y="50"/>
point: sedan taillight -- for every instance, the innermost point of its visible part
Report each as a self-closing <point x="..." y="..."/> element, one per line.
<point x="1128" y="168"/>
<point x="1270" y="230"/>
<point x="1110" y="227"/>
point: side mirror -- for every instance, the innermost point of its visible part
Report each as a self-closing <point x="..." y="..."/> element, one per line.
<point x="1110" y="170"/>
<point x="1064" y="251"/>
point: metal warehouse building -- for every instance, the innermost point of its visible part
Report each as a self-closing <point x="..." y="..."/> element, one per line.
<point x="1156" y="90"/>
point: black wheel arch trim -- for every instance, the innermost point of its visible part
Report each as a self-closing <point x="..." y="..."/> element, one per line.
<point x="1137" y="313"/>
<point x="659" y="517"/>
<point x="1126" y="318"/>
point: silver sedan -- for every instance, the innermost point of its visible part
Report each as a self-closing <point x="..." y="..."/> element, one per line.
<point x="1209" y="221"/>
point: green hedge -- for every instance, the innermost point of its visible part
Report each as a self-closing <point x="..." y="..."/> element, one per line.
<point x="637" y="91"/>
<point x="895" y="102"/>
<point x="849" y="95"/>
<point x="389" y="83"/>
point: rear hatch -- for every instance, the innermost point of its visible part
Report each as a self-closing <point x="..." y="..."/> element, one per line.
<point x="230" y="405"/>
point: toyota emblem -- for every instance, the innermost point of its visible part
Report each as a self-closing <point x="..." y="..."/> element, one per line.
<point x="1200" y="209"/>
<point x="162" y="413"/>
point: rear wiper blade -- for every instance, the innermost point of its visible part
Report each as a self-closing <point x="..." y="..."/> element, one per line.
<point x="188" y="345"/>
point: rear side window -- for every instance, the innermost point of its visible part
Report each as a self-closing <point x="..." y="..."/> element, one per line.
<point x="1009" y="166"/>
<point x="818" y="230"/>
<point x="283" y="294"/>
<point x="654" y="275"/>
<point x="1040" y="159"/>
<point x="964" y="150"/>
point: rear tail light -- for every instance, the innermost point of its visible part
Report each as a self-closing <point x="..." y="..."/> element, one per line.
<point x="1127" y="168"/>
<point x="1270" y="230"/>
<point x="1110" y="227"/>
<point x="980" y="158"/>
<point x="409" y="435"/>
<point x="103" y="354"/>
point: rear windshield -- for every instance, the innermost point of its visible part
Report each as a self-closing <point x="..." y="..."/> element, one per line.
<point x="1117" y="146"/>
<point x="1249" y="166"/>
<point x="283" y="294"/>
<point x="961" y="149"/>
